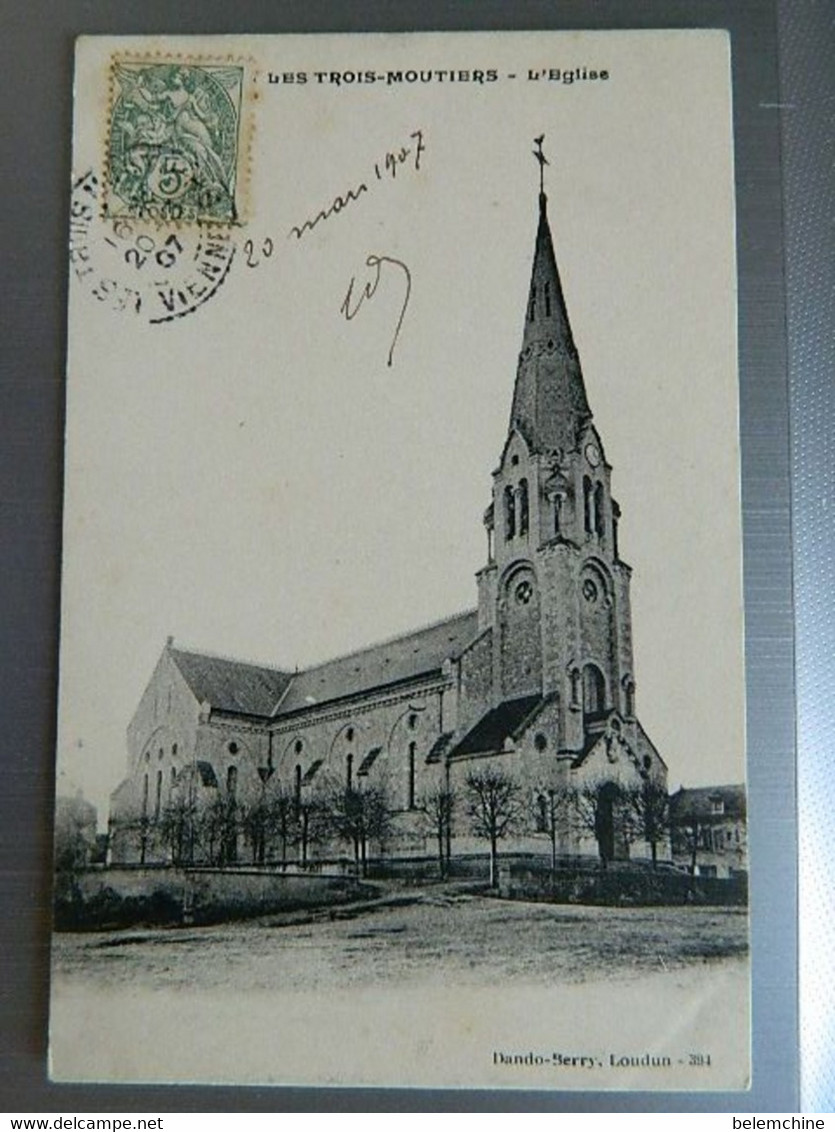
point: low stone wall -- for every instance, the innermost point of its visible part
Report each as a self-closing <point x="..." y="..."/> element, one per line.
<point x="424" y="870"/>
<point x="122" y="897"/>
<point x="619" y="884"/>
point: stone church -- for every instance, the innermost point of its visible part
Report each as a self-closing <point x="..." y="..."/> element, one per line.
<point x="537" y="681"/>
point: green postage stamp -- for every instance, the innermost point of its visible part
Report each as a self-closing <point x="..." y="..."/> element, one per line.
<point x="174" y="141"/>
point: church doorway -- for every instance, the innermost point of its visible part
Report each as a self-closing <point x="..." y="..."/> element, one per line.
<point x="611" y="843"/>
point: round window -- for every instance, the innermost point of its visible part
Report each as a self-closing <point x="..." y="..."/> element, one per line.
<point x="589" y="590"/>
<point x="524" y="592"/>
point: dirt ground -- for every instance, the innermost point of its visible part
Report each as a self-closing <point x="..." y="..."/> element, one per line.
<point x="436" y="987"/>
<point x="435" y="936"/>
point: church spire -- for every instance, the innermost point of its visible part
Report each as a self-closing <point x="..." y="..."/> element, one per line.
<point x="549" y="400"/>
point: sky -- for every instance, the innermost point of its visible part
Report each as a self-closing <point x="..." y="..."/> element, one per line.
<point x="255" y="480"/>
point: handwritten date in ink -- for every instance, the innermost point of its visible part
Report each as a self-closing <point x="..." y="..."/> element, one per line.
<point x="404" y="157"/>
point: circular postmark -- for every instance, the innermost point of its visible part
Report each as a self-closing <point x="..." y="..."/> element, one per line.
<point x="159" y="272"/>
<point x="172" y="152"/>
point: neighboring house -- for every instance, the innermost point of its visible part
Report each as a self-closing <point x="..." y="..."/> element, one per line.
<point x="709" y="830"/>
<point x="538" y="680"/>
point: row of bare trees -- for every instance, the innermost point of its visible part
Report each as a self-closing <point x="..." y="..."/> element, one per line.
<point x="278" y="827"/>
<point x="498" y="806"/>
<point x="282" y="825"/>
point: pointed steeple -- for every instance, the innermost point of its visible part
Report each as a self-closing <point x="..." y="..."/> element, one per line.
<point x="549" y="399"/>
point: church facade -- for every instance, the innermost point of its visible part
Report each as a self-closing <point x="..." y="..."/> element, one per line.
<point x="536" y="684"/>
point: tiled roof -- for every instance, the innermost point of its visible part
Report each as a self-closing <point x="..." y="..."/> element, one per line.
<point x="369" y="760"/>
<point x="402" y="658"/>
<point x="440" y="747"/>
<point x="235" y="686"/>
<point x="231" y="685"/>
<point x="499" y="724"/>
<point x="700" y="802"/>
<point x="207" y="773"/>
<point x="311" y="771"/>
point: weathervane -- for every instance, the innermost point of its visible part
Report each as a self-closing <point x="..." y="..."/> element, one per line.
<point x="543" y="161"/>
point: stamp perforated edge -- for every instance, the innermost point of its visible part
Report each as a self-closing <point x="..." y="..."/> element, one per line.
<point x="250" y="94"/>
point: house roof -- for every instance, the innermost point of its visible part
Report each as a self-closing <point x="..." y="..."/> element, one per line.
<point x="700" y="802"/>
<point x="231" y="685"/>
<point x="401" y="658"/>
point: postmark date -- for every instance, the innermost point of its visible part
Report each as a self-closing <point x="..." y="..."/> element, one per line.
<point x="145" y="249"/>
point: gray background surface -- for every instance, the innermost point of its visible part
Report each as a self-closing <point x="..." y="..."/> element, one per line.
<point x="807" y="65"/>
<point x="37" y="49"/>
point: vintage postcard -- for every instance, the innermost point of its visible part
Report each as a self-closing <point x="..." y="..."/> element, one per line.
<point x="401" y="723"/>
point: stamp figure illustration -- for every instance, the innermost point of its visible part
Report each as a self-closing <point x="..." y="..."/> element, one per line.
<point x="174" y="141"/>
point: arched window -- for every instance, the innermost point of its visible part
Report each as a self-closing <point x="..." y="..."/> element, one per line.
<point x="509" y="513"/>
<point x="587" y="504"/>
<point x="575" y="678"/>
<point x="158" y="798"/>
<point x="349" y="771"/>
<point x="629" y="696"/>
<point x="594" y="690"/>
<point x="231" y="781"/>
<point x="532" y="307"/>
<point x="615" y="517"/>
<point x="173" y="782"/>
<point x="145" y="796"/>
<point x="523" y="507"/>
<point x="410" y="794"/>
<point x="297" y="786"/>
<point x="547" y="300"/>
<point x="541" y="814"/>
<point x="599" y="521"/>
<point x="557" y="510"/>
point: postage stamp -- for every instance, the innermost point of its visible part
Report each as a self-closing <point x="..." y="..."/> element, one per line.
<point x="175" y="141"/>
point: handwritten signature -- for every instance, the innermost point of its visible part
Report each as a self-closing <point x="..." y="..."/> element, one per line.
<point x="351" y="309"/>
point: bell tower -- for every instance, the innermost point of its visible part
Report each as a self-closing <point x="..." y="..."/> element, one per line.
<point x="555" y="592"/>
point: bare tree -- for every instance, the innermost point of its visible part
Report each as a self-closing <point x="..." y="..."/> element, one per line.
<point x="597" y="807"/>
<point x="438" y="808"/>
<point x="282" y="821"/>
<point x="690" y="834"/>
<point x="494" y="804"/>
<point x="217" y="828"/>
<point x="254" y="822"/>
<point x="552" y="815"/>
<point x="648" y="809"/>
<point x="313" y="822"/>
<point x="176" y="828"/>
<point x="359" y="817"/>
